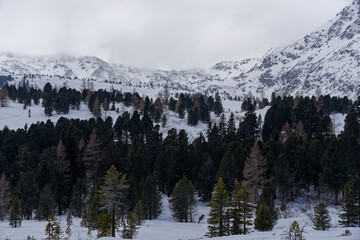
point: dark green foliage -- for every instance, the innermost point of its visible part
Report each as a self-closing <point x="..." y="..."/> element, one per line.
<point x="263" y="220"/>
<point x="217" y="216"/>
<point x="16" y="216"/>
<point x="182" y="201"/>
<point x="349" y="215"/>
<point x="267" y="198"/>
<point x="151" y="198"/>
<point x="321" y="219"/>
<point x="47" y="204"/>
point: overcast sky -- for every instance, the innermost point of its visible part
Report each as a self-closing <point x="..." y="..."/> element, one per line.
<point x="167" y="34"/>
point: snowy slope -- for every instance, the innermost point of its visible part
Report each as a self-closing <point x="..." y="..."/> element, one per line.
<point x="327" y="59"/>
<point x="165" y="228"/>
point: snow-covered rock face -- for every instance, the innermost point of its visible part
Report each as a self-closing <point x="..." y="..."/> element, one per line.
<point x="327" y="59"/>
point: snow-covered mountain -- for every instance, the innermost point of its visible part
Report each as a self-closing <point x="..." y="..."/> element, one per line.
<point x="327" y="59"/>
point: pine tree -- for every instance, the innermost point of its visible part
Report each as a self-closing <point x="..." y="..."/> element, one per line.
<point x="348" y="217"/>
<point x="182" y="201"/>
<point x="90" y="219"/>
<point x="5" y="197"/>
<point x="254" y="171"/>
<point x="47" y="203"/>
<point x="321" y="219"/>
<point x="139" y="212"/>
<point x="52" y="229"/>
<point x="78" y="199"/>
<point x="130" y="228"/>
<point x="263" y="220"/>
<point x="218" y="108"/>
<point x="113" y="194"/>
<point x="241" y="209"/>
<point x="267" y="198"/>
<point x="15" y="213"/>
<point x="218" y="205"/>
<point x="151" y="198"/>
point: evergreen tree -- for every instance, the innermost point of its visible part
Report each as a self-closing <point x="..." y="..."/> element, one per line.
<point x="52" y="229"/>
<point x="217" y="216"/>
<point x="47" y="203"/>
<point x="218" y="108"/>
<point x="93" y="211"/>
<point x="104" y="225"/>
<point x="348" y="217"/>
<point x="15" y="213"/>
<point x="113" y="195"/>
<point x="139" y="212"/>
<point x="241" y="209"/>
<point x="130" y="228"/>
<point x="151" y="198"/>
<point x="78" y="197"/>
<point x="263" y="220"/>
<point x="5" y="197"/>
<point x="27" y="191"/>
<point x="321" y="219"/>
<point x="267" y="198"/>
<point x="182" y="201"/>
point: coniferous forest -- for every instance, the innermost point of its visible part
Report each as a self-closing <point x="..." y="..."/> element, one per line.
<point x="114" y="172"/>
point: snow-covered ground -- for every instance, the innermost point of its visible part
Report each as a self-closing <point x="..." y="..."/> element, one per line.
<point x="166" y="228"/>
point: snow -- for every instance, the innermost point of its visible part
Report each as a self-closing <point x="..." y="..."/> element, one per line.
<point x="166" y="228"/>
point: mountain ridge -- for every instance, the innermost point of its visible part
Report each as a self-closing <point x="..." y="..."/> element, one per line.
<point x="326" y="60"/>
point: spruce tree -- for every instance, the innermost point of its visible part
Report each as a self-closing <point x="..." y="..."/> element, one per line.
<point x="321" y="219"/>
<point x="267" y="198"/>
<point x="182" y="201"/>
<point x="113" y="194"/>
<point x="15" y="213"/>
<point x="78" y="197"/>
<point x="348" y="217"/>
<point x="139" y="212"/>
<point x="151" y="198"/>
<point x="217" y="216"/>
<point x="263" y="220"/>
<point x="241" y="208"/>
<point x="47" y="203"/>
<point x="5" y="197"/>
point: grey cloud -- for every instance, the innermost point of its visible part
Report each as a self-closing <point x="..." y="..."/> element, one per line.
<point x="159" y="33"/>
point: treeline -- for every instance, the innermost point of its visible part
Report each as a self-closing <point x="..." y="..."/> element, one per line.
<point x="54" y="167"/>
